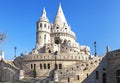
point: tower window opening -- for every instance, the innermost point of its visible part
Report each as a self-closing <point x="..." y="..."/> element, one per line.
<point x="44" y="25"/>
<point x="34" y="66"/>
<point x="68" y="79"/>
<point x="97" y="75"/>
<point x="44" y="66"/>
<point x="49" y="51"/>
<point x="40" y="66"/>
<point x="31" y="66"/>
<point x="104" y="69"/>
<point x="57" y="27"/>
<point x="87" y="75"/>
<point x="44" y="36"/>
<point x="78" y="77"/>
<point x="104" y="78"/>
<point x="41" y="25"/>
<point x="117" y="76"/>
<point x="82" y="65"/>
<point x="44" y="39"/>
<point x="48" y="66"/>
<point x="56" y="41"/>
<point x="60" y="66"/>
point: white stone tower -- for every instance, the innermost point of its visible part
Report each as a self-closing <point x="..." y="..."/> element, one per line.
<point x="61" y="30"/>
<point x="43" y="32"/>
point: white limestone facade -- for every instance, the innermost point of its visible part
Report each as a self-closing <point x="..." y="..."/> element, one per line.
<point x="56" y="50"/>
<point x="56" y="36"/>
<point x="51" y="38"/>
<point x="59" y="58"/>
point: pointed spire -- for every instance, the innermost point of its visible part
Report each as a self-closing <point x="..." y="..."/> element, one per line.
<point x="44" y="13"/>
<point x="44" y="17"/>
<point x="60" y="19"/>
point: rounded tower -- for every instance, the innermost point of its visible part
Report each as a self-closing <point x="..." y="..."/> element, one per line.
<point x="43" y="31"/>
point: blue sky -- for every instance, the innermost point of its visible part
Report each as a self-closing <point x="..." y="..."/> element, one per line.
<point x="91" y="20"/>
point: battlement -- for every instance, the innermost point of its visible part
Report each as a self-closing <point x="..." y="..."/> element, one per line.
<point x="51" y="56"/>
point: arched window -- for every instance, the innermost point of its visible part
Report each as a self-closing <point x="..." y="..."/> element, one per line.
<point x="87" y="75"/>
<point x="78" y="77"/>
<point x="44" y="36"/>
<point x="57" y="27"/>
<point x="31" y="66"/>
<point x="44" y="66"/>
<point x="104" y="78"/>
<point x="118" y="76"/>
<point x="96" y="75"/>
<point x="44" y="25"/>
<point x="40" y="66"/>
<point x="41" y="25"/>
<point x="104" y="69"/>
<point x="48" y="66"/>
<point x="49" y="51"/>
<point x="68" y="79"/>
<point x="60" y="66"/>
<point x="34" y="66"/>
<point x="44" y="39"/>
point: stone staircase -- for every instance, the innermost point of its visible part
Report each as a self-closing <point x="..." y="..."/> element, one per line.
<point x="80" y="69"/>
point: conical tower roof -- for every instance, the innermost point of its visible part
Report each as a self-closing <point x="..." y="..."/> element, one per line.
<point x="44" y="17"/>
<point x="60" y="19"/>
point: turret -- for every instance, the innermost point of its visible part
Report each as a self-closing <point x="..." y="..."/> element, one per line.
<point x="61" y="26"/>
<point x="60" y="20"/>
<point x="43" y="31"/>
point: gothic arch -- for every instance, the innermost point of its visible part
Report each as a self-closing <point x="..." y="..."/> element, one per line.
<point x="104" y="80"/>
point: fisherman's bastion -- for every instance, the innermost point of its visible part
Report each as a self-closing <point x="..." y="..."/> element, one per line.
<point x="58" y="58"/>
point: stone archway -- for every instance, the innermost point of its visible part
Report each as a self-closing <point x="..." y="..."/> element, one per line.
<point x="104" y="80"/>
<point x="114" y="76"/>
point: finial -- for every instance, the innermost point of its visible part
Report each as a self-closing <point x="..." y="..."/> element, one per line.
<point x="44" y="13"/>
<point x="59" y="3"/>
<point x="44" y="16"/>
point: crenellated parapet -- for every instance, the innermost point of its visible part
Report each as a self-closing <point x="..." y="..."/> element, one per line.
<point x="51" y="57"/>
